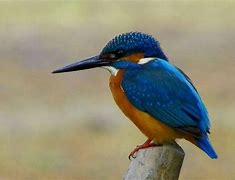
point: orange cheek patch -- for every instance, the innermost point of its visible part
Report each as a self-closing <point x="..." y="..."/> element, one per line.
<point x="134" y="57"/>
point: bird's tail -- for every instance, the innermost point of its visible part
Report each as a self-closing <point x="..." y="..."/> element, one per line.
<point x="204" y="144"/>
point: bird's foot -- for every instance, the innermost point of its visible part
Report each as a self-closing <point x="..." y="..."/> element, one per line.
<point x="146" y="144"/>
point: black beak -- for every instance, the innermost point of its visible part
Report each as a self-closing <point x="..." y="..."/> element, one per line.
<point x="85" y="64"/>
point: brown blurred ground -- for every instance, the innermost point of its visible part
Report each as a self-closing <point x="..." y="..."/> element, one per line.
<point x="67" y="126"/>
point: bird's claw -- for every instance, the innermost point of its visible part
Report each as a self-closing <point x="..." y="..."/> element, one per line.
<point x="133" y="153"/>
<point x="146" y="144"/>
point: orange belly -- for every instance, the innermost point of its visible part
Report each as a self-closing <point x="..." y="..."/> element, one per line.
<point x="148" y="125"/>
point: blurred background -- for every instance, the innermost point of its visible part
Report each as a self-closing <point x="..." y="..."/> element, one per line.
<point x="67" y="126"/>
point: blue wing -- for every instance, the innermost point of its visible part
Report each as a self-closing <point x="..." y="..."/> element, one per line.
<point x="166" y="93"/>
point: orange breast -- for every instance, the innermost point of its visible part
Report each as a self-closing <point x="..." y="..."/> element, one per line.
<point x="148" y="125"/>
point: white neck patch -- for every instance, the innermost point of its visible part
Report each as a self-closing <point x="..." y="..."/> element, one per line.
<point x="146" y="60"/>
<point x="111" y="69"/>
<point x="114" y="71"/>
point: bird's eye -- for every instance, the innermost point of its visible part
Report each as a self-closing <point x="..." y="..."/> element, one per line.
<point x="119" y="53"/>
<point x="113" y="55"/>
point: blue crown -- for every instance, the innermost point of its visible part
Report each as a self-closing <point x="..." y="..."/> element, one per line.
<point x="135" y="42"/>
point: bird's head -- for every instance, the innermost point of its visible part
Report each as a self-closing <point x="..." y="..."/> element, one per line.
<point x="123" y="51"/>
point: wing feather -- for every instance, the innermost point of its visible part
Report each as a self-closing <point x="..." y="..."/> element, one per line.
<point x="164" y="92"/>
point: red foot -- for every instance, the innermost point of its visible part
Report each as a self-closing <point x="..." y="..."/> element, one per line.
<point x="146" y="144"/>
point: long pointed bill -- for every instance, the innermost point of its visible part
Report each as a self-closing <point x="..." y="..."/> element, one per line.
<point x="85" y="64"/>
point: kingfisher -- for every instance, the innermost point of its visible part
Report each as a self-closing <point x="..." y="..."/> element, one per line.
<point x="158" y="97"/>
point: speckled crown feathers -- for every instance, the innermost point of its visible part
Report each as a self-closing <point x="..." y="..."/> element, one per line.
<point x="135" y="42"/>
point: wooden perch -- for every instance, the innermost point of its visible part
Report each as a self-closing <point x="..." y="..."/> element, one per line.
<point x="156" y="163"/>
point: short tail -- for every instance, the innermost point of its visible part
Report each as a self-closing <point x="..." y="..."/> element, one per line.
<point x="206" y="146"/>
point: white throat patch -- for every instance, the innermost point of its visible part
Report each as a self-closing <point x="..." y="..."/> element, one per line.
<point x="146" y="60"/>
<point x="111" y="69"/>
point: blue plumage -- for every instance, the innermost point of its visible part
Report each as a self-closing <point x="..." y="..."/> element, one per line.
<point x="161" y="90"/>
<point x="154" y="86"/>
<point x="206" y="146"/>
<point x="164" y="92"/>
<point x="134" y="42"/>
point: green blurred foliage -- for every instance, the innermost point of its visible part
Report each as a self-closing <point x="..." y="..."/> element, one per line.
<point x="67" y="126"/>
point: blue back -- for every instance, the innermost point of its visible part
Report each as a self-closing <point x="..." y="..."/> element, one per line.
<point x="164" y="92"/>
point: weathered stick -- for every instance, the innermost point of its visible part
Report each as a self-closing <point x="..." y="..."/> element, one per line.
<point x="156" y="163"/>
